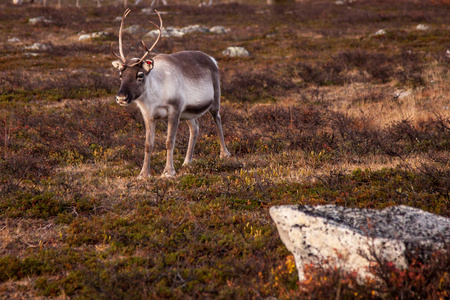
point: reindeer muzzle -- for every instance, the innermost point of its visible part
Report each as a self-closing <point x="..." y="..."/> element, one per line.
<point x="123" y="100"/>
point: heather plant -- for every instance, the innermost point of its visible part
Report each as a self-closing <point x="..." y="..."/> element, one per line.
<point x="257" y="86"/>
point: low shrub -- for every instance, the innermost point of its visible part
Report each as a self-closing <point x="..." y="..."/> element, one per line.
<point x="255" y="86"/>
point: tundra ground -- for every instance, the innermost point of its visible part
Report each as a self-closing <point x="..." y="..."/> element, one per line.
<point x="323" y="111"/>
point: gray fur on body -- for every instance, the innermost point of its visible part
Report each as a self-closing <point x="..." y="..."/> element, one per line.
<point x="178" y="87"/>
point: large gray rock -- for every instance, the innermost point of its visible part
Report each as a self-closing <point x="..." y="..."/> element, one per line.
<point x="348" y="237"/>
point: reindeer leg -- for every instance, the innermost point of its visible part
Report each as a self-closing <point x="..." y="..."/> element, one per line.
<point x="217" y="120"/>
<point x="172" y="127"/>
<point x="193" y="133"/>
<point x="149" y="144"/>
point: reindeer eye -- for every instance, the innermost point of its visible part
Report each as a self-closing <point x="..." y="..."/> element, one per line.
<point x="140" y="75"/>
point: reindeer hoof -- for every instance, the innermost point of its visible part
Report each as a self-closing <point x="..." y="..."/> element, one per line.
<point x="144" y="176"/>
<point x="168" y="174"/>
<point x="165" y="175"/>
<point x="186" y="163"/>
<point x="225" y="154"/>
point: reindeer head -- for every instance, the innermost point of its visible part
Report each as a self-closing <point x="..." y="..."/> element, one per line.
<point x="133" y="71"/>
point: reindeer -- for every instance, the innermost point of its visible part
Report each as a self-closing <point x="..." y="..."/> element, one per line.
<point x="178" y="87"/>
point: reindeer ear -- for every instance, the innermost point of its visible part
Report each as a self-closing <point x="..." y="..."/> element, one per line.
<point x="117" y="64"/>
<point x="147" y="65"/>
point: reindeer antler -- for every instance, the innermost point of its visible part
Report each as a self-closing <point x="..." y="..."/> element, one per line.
<point x="147" y="50"/>
<point x="154" y="44"/>
<point x="122" y="56"/>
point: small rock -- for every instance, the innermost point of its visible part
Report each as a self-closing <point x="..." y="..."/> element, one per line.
<point x="154" y="33"/>
<point x="34" y="21"/>
<point x="236" y="52"/>
<point x="172" y="32"/>
<point x="447" y="53"/>
<point x="84" y="37"/>
<point x="118" y="19"/>
<point x="380" y="32"/>
<point x="88" y="36"/>
<point x="180" y="32"/>
<point x="135" y="29"/>
<point x="14" y="40"/>
<point x="340" y="2"/>
<point x="166" y="32"/>
<point x="422" y="27"/>
<point x="99" y="34"/>
<point x="39" y="47"/>
<point x="402" y="94"/>
<point x="32" y="54"/>
<point x="218" y="29"/>
<point x="151" y="11"/>
<point x="194" y="28"/>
